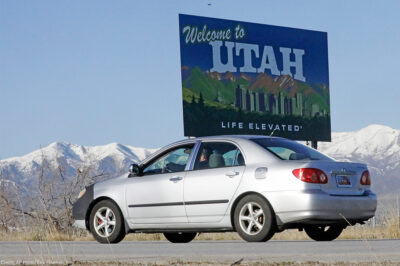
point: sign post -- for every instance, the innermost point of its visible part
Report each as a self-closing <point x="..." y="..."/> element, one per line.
<point x="247" y="78"/>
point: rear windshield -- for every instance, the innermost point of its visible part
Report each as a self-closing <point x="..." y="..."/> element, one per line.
<point x="290" y="150"/>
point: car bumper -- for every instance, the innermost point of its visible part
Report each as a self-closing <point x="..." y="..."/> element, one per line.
<point x="81" y="206"/>
<point x="80" y="224"/>
<point x="315" y="206"/>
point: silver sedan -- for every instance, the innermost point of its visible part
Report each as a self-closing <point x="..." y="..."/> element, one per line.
<point x="254" y="185"/>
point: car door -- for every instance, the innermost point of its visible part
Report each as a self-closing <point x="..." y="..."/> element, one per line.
<point x="210" y="186"/>
<point x="156" y="195"/>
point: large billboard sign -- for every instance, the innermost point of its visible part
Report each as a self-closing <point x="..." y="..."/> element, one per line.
<point x="247" y="78"/>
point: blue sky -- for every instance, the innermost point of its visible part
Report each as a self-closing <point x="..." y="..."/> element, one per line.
<point x="95" y="72"/>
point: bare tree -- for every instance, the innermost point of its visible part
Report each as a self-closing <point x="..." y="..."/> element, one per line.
<point x="7" y="206"/>
<point x="50" y="204"/>
<point x="57" y="192"/>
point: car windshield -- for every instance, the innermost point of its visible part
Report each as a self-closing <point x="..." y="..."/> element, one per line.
<point x="290" y="150"/>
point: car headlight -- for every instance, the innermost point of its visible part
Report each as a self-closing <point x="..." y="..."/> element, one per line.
<point x="82" y="193"/>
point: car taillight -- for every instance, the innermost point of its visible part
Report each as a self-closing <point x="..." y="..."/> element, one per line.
<point x="311" y="175"/>
<point x="365" y="178"/>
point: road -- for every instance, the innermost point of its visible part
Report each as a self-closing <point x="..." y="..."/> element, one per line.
<point x="202" y="251"/>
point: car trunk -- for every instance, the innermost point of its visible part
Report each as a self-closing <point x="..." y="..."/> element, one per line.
<point x="343" y="177"/>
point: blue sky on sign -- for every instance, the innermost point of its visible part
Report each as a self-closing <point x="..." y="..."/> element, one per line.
<point x="95" y="72"/>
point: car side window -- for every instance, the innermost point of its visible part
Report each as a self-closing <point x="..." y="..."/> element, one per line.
<point x="282" y="152"/>
<point x="170" y="162"/>
<point x="218" y="154"/>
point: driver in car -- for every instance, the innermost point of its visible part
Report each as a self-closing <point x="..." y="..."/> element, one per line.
<point x="204" y="159"/>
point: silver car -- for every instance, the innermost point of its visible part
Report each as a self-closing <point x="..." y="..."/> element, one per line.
<point x="254" y="185"/>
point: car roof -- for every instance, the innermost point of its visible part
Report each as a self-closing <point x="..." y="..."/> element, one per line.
<point x="192" y="140"/>
<point x="221" y="137"/>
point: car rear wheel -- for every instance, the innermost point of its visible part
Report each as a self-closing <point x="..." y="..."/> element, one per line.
<point x="254" y="219"/>
<point x="106" y="223"/>
<point x="180" y="237"/>
<point x="323" y="233"/>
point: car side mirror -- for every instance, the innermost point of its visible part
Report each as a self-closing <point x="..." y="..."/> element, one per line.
<point x="134" y="170"/>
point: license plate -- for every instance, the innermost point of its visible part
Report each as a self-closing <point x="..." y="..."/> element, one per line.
<point x="343" y="181"/>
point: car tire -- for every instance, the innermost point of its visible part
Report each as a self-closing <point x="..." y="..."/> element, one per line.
<point x="323" y="233"/>
<point x="180" y="237"/>
<point x="254" y="219"/>
<point x="107" y="223"/>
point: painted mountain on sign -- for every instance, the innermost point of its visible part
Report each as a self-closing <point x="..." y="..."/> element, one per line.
<point x="223" y="89"/>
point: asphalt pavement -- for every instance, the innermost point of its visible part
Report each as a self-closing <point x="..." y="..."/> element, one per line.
<point x="201" y="251"/>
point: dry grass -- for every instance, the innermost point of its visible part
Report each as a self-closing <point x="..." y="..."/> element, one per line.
<point x="354" y="232"/>
<point x="40" y="234"/>
<point x="389" y="230"/>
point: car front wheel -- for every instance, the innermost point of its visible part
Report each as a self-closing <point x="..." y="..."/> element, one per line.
<point x="180" y="237"/>
<point x="106" y="222"/>
<point x="254" y="219"/>
<point x="323" y="233"/>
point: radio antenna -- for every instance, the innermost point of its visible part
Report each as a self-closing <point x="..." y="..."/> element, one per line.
<point x="272" y="133"/>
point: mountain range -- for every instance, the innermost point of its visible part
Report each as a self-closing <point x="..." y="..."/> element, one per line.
<point x="109" y="160"/>
<point x="376" y="145"/>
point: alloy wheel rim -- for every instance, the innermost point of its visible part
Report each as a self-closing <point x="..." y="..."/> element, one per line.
<point x="251" y="218"/>
<point x="104" y="222"/>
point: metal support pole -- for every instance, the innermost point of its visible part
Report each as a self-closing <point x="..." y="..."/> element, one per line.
<point x="314" y="144"/>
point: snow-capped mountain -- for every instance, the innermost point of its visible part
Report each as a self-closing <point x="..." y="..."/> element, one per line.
<point x="376" y="145"/>
<point x="111" y="160"/>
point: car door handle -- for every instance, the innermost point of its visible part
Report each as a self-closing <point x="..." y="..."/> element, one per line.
<point x="232" y="174"/>
<point x="175" y="179"/>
